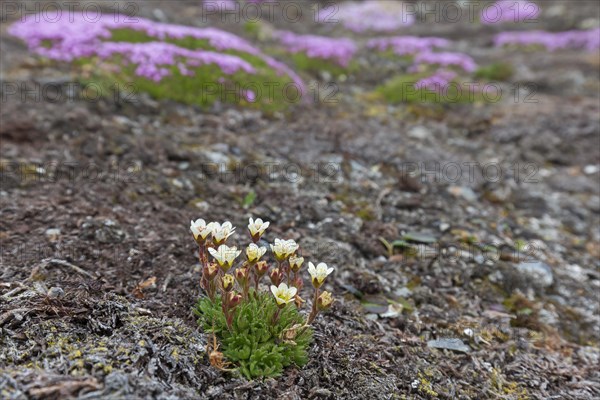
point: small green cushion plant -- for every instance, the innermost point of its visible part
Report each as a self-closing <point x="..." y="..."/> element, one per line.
<point x="259" y="347"/>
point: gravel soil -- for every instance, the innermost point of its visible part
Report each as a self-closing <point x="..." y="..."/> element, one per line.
<point x="490" y="291"/>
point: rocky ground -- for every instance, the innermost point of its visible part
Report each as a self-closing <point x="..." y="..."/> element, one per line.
<point x="490" y="291"/>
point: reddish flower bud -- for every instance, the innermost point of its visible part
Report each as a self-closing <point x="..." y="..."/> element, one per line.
<point x="241" y="275"/>
<point x="261" y="268"/>
<point x="234" y="299"/>
<point x="276" y="276"/>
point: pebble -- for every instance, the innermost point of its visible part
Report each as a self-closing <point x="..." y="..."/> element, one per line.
<point x="463" y="191"/>
<point x="53" y="234"/>
<point x="444" y="227"/>
<point x="403" y="292"/>
<point x="202" y="206"/>
<point x="537" y="271"/>
<point x="55" y="292"/>
<point x="419" y="132"/>
<point x="449" y="344"/>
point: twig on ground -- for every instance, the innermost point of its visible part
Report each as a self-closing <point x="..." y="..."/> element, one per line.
<point x="167" y="281"/>
<point x="63" y="263"/>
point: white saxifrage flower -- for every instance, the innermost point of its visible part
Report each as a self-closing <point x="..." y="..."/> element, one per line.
<point x="225" y="255"/>
<point x="221" y="232"/>
<point x="254" y="253"/>
<point x="283" y="294"/>
<point x="283" y="249"/>
<point x="257" y="227"/>
<point x="318" y="273"/>
<point x="200" y="229"/>
<point x="296" y="263"/>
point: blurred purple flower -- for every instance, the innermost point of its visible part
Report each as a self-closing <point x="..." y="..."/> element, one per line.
<point x="152" y="57"/>
<point x="340" y="50"/>
<point x="74" y="36"/>
<point x="436" y="82"/>
<point x="369" y="15"/>
<point x="446" y="59"/>
<point x="406" y="45"/>
<point x="250" y="96"/>
<point x="588" y="40"/>
<point x="509" y="11"/>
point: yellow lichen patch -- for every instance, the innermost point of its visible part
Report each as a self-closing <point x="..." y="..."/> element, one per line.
<point x="507" y="389"/>
<point x="425" y="386"/>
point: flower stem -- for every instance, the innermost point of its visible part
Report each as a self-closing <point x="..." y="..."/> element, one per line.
<point x="315" y="310"/>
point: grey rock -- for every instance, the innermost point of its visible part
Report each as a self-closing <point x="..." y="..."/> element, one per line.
<point x="106" y="231"/>
<point x="537" y="272"/>
<point x="463" y="191"/>
<point x="449" y="344"/>
<point x="419" y="132"/>
<point x="52" y="234"/>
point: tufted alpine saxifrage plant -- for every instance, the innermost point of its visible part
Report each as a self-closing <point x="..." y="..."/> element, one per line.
<point x="261" y="329"/>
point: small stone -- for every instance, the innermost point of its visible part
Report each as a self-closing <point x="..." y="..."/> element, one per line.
<point x="418" y="237"/>
<point x="548" y="317"/>
<point x="202" y="206"/>
<point x="159" y="15"/>
<point x="419" y="132"/>
<point x="537" y="272"/>
<point x="463" y="191"/>
<point x="403" y="292"/>
<point x="322" y="392"/>
<point x="590" y="169"/>
<point x="55" y="293"/>
<point x="393" y="311"/>
<point x="449" y="344"/>
<point x="53" y="234"/>
<point x="444" y="227"/>
<point x="496" y="277"/>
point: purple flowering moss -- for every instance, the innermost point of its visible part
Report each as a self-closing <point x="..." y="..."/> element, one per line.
<point x="440" y="79"/>
<point x="369" y="15"/>
<point x="407" y="45"/>
<point x="446" y="59"/>
<point x="339" y="50"/>
<point x="509" y="11"/>
<point x="151" y="58"/>
<point x="74" y="36"/>
<point x="588" y="40"/>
